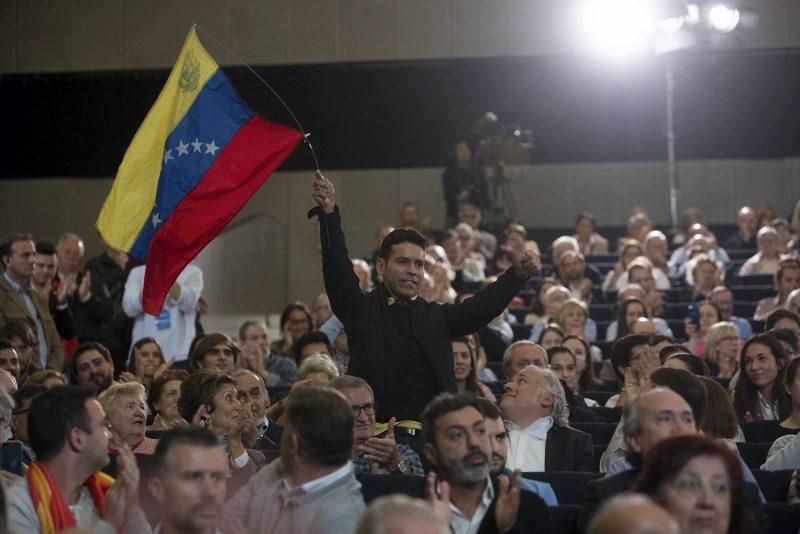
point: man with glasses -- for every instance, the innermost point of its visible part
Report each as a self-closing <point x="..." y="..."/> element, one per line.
<point x="373" y="455"/>
<point x="23" y="398"/>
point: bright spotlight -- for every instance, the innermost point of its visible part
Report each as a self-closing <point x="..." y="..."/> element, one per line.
<point x="671" y="25"/>
<point x="723" y="18"/>
<point x="617" y="28"/>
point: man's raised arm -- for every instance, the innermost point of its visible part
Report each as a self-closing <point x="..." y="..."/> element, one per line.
<point x="341" y="283"/>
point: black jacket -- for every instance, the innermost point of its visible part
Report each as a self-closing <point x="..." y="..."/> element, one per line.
<point x="567" y="449"/>
<point x="375" y="339"/>
<point x="532" y="515"/>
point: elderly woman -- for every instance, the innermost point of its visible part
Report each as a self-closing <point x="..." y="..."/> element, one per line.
<point x="215" y="351"/>
<point x="699" y="481"/>
<point x="209" y="398"/>
<point x="163" y="400"/>
<point x="315" y="371"/>
<point x="703" y="274"/>
<point x="146" y="363"/>
<point x="722" y="348"/>
<point x="126" y="412"/>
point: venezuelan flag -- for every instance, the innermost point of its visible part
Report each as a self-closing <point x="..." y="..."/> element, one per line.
<point x="197" y="158"/>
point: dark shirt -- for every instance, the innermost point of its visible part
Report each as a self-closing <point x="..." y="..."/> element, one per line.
<point x="737" y="242"/>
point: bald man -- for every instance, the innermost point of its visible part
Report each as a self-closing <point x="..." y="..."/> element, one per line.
<point x="633" y="513"/>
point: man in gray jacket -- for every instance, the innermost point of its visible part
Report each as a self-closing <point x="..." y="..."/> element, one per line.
<point x="311" y="488"/>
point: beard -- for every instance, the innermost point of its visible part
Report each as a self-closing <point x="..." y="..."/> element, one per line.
<point x="501" y="464"/>
<point x="461" y="473"/>
<point x="100" y="382"/>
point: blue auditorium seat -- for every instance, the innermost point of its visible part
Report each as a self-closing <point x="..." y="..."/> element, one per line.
<point x="374" y="486"/>
<point x="785" y="518"/>
<point x="569" y="486"/>
<point x="753" y="454"/>
<point x="774" y="484"/>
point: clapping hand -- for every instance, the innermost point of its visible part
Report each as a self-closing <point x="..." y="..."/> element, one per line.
<point x="507" y="505"/>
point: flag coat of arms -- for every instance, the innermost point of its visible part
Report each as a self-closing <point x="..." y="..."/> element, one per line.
<point x="195" y="161"/>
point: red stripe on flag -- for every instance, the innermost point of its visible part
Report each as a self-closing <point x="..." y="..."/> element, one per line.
<point x="251" y="156"/>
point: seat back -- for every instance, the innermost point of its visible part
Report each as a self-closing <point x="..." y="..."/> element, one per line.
<point x="774" y="484"/>
<point x="785" y="518"/>
<point x="565" y="518"/>
<point x="601" y="432"/>
<point x="764" y="431"/>
<point x="374" y="486"/>
<point x="753" y="454"/>
<point x="569" y="486"/>
<point x="611" y="415"/>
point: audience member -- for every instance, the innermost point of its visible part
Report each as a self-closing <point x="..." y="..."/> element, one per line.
<point x="18" y="301"/>
<point x="554" y="299"/>
<point x="551" y="336"/>
<point x="630" y="310"/>
<point x="540" y="439"/>
<point x="145" y="363"/>
<point x="312" y="487"/>
<point x="656" y="249"/>
<point x="538" y="304"/>
<point x="720" y="420"/>
<point x="785" y="234"/>
<point x="174" y="329"/>
<point x="257" y="356"/>
<point x="443" y="291"/>
<point x="399" y="514"/>
<point x="631" y="351"/>
<point x="634" y="291"/>
<point x="295" y="321"/>
<point x="564" y="365"/>
<point x="163" y="400"/>
<point x="589" y="241"/>
<point x="766" y="260"/>
<point x="572" y="272"/>
<point x="722" y="297"/>
<point x="126" y="411"/>
<point x="49" y="378"/>
<point x="466" y="371"/>
<point x="188" y="481"/>
<point x="573" y="317"/>
<point x="783" y="318"/>
<point x="745" y="237"/>
<point x="584" y="367"/>
<point x="93" y="366"/>
<point x="627" y="253"/>
<point x="793" y="301"/>
<point x="722" y="348"/>
<point x="463" y="182"/>
<point x="520" y="355"/>
<point x="399" y="338"/>
<point x="498" y="439"/>
<point x="215" y="351"/>
<point x="791" y="382"/>
<point x="266" y="434"/>
<point x="9" y="360"/>
<point x="320" y="310"/>
<point x="687" y="362"/>
<point x="374" y="455"/>
<point x="311" y="343"/>
<point x="703" y="275"/>
<point x="462" y="490"/>
<point x="23" y="398"/>
<point x="58" y="294"/>
<point x="787" y="279"/>
<point x="64" y="489"/>
<point x="7" y="382"/>
<point x="208" y="398"/>
<point x="484" y="242"/>
<point x="760" y="394"/>
<point x="21" y="336"/>
<point x="709" y="315"/>
<point x="651" y="417"/>
<point x="632" y="513"/>
<point x="699" y="482"/>
<point x="7" y="404"/>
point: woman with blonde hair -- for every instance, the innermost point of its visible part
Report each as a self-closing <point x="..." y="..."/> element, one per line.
<point x="572" y="317"/>
<point x="443" y="291"/>
<point x="722" y="348"/>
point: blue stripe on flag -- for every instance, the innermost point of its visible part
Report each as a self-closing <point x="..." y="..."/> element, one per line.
<point x="216" y="115"/>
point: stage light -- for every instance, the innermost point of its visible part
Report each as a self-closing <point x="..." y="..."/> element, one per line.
<point x="670" y="25"/>
<point x="616" y="28"/>
<point x="723" y="18"/>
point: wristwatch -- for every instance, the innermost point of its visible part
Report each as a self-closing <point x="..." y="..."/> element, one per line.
<point x="400" y="468"/>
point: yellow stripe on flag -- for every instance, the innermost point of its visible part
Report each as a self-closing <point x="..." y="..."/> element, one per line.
<point x="133" y="194"/>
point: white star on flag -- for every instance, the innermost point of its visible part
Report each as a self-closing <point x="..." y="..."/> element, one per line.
<point x="167" y="156"/>
<point x="198" y="146"/>
<point x="182" y="148"/>
<point x="211" y="148"/>
<point x="156" y="221"/>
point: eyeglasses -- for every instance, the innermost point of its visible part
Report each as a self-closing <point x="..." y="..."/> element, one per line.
<point x="20" y="412"/>
<point x="368" y="409"/>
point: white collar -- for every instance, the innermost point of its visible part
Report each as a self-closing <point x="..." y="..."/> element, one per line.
<point x="322" y="482"/>
<point x="486" y="498"/>
<point x="543" y="424"/>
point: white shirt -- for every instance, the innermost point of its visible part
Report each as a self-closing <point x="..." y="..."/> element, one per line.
<point x="768" y="412"/>
<point x="174" y="328"/>
<point x="460" y="524"/>
<point x="322" y="482"/>
<point x="526" y="446"/>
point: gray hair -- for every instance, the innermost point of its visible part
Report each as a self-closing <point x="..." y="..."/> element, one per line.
<point x="317" y="363"/>
<point x="654" y="234"/>
<point x="381" y="511"/>
<point x="342" y="382"/>
<point x="109" y="397"/>
<point x="631" y="419"/>
<point x="550" y="384"/>
<point x="240" y="372"/>
<point x="509" y="353"/>
<point x="566" y="239"/>
<point x="6" y="406"/>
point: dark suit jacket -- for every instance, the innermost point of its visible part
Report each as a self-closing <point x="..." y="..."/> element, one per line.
<point x="12" y="307"/>
<point x="568" y="449"/>
<point x="532" y="516"/>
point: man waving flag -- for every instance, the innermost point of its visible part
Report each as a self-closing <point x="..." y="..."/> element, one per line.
<point x="198" y="157"/>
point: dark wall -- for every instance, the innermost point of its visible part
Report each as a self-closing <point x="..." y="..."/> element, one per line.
<point x="406" y="114"/>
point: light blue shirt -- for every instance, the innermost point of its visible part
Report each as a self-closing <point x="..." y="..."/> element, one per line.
<point x="25" y="294"/>
<point x="589" y="331"/>
<point x="543" y="489"/>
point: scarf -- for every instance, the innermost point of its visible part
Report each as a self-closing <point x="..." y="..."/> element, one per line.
<point x="54" y="514"/>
